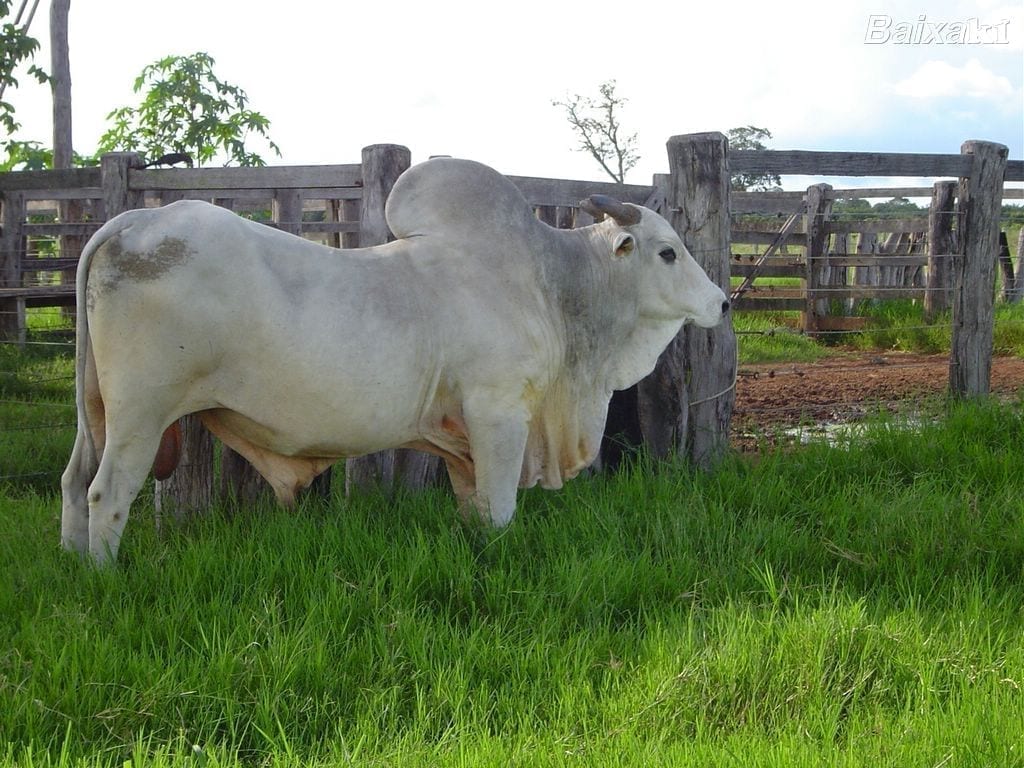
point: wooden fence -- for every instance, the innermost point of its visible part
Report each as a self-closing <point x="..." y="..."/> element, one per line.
<point x="685" y="405"/>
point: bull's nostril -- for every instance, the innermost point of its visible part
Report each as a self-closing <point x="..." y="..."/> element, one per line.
<point x="725" y="307"/>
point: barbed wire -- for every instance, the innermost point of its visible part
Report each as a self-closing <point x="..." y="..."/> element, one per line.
<point x="27" y="475"/>
<point x="746" y="375"/>
<point x="37" y="380"/>
<point x="39" y="403"/>
<point x="39" y="427"/>
<point x="16" y="343"/>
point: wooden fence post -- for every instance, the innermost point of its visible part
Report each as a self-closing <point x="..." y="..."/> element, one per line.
<point x="695" y="377"/>
<point x="1018" y="281"/>
<point x="981" y="195"/>
<point x="382" y="165"/>
<point x="941" y="247"/>
<point x="819" y="208"/>
<point x="1006" y="265"/>
<point x="117" y="197"/>
<point x="12" y="250"/>
<point x="286" y="210"/>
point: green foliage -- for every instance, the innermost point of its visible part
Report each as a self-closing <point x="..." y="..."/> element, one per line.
<point x="33" y="156"/>
<point x="187" y="108"/>
<point x="1012" y="215"/>
<point x="596" y="125"/>
<point x="16" y="47"/>
<point x="752" y="137"/>
<point x="859" y="208"/>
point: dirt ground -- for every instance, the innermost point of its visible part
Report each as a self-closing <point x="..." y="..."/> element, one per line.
<point x="842" y="389"/>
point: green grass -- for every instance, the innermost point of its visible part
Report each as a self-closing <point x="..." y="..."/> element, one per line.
<point x="827" y="605"/>
<point x="767" y="337"/>
<point x="37" y="413"/>
<point x="835" y="606"/>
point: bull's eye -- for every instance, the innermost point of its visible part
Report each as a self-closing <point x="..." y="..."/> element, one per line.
<point x="667" y="255"/>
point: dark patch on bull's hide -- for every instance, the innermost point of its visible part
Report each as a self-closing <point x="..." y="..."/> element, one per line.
<point x="115" y="264"/>
<point x="145" y="265"/>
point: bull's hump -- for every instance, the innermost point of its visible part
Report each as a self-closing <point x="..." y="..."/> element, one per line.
<point x="460" y="199"/>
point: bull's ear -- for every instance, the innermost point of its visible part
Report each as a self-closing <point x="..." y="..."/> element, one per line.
<point x="624" y="245"/>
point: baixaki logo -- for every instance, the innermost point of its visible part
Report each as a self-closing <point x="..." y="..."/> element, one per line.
<point x="883" y="29"/>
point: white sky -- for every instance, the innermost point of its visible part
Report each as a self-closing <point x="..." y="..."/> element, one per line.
<point x="476" y="79"/>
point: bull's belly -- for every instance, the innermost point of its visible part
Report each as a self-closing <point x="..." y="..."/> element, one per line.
<point x="328" y="437"/>
<point x="318" y="433"/>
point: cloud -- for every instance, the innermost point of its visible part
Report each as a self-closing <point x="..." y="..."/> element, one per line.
<point x="935" y="80"/>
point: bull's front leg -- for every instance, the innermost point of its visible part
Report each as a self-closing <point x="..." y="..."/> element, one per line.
<point x="497" y="443"/>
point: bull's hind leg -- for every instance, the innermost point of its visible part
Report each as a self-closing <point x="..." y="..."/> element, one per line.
<point x="82" y="466"/>
<point x="81" y="469"/>
<point x="126" y="461"/>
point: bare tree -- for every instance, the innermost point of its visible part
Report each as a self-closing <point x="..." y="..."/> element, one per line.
<point x="596" y="124"/>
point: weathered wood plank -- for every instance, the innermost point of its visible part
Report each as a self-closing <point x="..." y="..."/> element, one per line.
<point x="862" y="292"/>
<point x="767" y="203"/>
<point x="795" y="239"/>
<point x="329" y="227"/>
<point x="69" y="178"/>
<point x="36" y="196"/>
<point x="853" y="226"/>
<point x="37" y="291"/>
<point x="815" y="163"/>
<point x="12" y="248"/>
<point x="540" y="191"/>
<point x="940" y="245"/>
<point x="80" y="229"/>
<point x="767" y="270"/>
<point x="819" y="208"/>
<point x="49" y="264"/>
<point x="740" y="227"/>
<point x="773" y="203"/>
<point x="269" y="177"/>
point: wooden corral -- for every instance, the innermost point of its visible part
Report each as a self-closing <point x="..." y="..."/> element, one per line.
<point x="945" y="259"/>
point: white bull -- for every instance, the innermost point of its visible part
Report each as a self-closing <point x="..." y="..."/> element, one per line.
<point x="481" y="335"/>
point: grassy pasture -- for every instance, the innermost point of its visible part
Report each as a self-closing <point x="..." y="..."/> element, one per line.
<point x="829" y="605"/>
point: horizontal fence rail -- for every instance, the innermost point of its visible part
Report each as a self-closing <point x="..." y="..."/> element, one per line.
<point x="828" y="261"/>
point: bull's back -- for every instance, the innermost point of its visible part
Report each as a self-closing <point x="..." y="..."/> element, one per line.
<point x="229" y="314"/>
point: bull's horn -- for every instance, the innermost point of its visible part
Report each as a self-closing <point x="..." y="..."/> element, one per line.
<point x="601" y="205"/>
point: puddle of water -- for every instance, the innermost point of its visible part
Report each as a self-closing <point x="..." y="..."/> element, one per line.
<point x="842" y="433"/>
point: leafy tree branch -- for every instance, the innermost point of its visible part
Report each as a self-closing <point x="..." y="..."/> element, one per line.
<point x="187" y="108"/>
